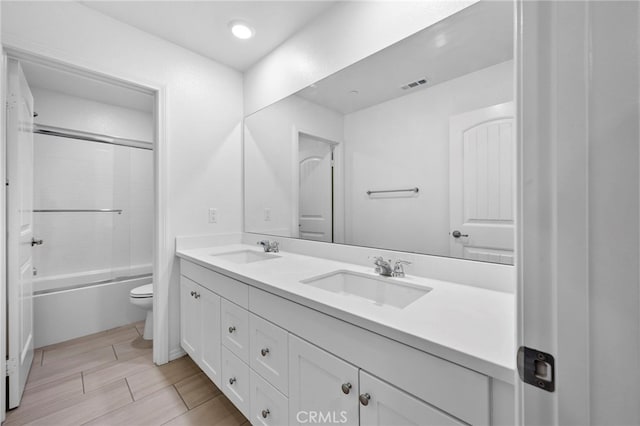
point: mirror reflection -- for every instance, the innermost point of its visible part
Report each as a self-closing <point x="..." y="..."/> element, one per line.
<point x="409" y="149"/>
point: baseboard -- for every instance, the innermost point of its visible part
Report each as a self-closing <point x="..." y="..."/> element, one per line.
<point x="176" y="353"/>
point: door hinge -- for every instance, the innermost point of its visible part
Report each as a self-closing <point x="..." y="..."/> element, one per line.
<point x="537" y="368"/>
<point x="12" y="366"/>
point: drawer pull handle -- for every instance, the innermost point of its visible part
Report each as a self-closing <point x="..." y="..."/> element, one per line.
<point x="265" y="413"/>
<point x="346" y="388"/>
<point x="264" y="351"/>
<point x="364" y="399"/>
<point x="232" y="380"/>
<point x="193" y="293"/>
<point x="232" y="329"/>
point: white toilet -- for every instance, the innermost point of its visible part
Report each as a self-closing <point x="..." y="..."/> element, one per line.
<point x="143" y="297"/>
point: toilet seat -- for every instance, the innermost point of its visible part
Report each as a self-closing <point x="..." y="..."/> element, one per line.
<point x="143" y="291"/>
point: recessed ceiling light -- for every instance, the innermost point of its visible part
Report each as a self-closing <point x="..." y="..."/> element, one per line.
<point x="241" y="30"/>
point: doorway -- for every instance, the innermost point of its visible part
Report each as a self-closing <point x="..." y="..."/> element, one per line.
<point x="86" y="200"/>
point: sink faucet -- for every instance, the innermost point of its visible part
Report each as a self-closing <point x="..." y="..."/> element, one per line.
<point x="269" y="246"/>
<point x="383" y="267"/>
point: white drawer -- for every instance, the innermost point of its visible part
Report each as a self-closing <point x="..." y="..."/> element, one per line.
<point x="268" y="406"/>
<point x="224" y="286"/>
<point x="269" y="352"/>
<point x="236" y="382"/>
<point x="235" y="329"/>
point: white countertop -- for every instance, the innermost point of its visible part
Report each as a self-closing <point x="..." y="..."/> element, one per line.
<point x="470" y="326"/>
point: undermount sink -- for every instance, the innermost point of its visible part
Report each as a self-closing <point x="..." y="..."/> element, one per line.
<point x="245" y="256"/>
<point x="378" y="290"/>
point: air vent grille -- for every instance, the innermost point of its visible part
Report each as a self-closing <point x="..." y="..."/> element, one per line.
<point x="414" y="84"/>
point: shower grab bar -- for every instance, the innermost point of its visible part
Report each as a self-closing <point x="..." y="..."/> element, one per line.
<point x="119" y="211"/>
<point x="415" y="190"/>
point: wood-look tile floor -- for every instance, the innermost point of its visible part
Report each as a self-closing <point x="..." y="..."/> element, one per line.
<point x="109" y="378"/>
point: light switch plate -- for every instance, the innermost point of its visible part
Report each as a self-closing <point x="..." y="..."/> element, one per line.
<point x="213" y="215"/>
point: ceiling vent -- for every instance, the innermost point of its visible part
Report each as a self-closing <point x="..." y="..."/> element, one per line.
<point x="414" y="84"/>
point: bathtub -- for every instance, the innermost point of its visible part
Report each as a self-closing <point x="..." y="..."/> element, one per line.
<point x="70" y="306"/>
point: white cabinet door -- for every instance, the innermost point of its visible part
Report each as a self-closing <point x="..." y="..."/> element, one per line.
<point x="268" y="406"/>
<point x="269" y="352"/>
<point x="235" y="329"/>
<point x="210" y="334"/>
<point x="316" y="382"/>
<point x="236" y="384"/>
<point x="387" y="405"/>
<point x="190" y="318"/>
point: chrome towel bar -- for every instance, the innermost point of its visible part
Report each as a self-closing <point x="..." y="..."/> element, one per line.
<point x="119" y="211"/>
<point x="415" y="190"/>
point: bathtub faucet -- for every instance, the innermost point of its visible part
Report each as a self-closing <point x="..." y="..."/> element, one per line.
<point x="269" y="246"/>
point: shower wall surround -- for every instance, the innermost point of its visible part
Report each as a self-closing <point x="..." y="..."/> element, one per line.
<point x="84" y="247"/>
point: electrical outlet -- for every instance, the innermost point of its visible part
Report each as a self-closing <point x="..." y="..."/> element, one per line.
<point x="213" y="215"/>
<point x="267" y="214"/>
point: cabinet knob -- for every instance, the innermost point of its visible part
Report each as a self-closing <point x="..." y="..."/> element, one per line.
<point x="364" y="399"/>
<point x="197" y="296"/>
<point x="232" y="329"/>
<point x="264" y="351"/>
<point x="193" y="293"/>
<point x="232" y="380"/>
<point x="346" y="388"/>
<point x="265" y="413"/>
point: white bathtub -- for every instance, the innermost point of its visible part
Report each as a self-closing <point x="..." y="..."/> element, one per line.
<point x="70" y="307"/>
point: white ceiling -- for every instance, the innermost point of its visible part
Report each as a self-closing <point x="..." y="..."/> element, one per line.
<point x="472" y="39"/>
<point x="202" y="26"/>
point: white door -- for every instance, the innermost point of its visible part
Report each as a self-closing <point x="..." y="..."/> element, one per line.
<point x="190" y="318"/>
<point x="19" y="232"/>
<point x="482" y="182"/>
<point x="210" y="335"/>
<point x="387" y="405"/>
<point x="320" y="385"/>
<point x="316" y="189"/>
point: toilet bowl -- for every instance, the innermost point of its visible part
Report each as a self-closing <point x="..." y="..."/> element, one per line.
<point x="143" y="297"/>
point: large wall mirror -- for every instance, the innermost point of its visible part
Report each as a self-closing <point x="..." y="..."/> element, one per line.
<point x="410" y="149"/>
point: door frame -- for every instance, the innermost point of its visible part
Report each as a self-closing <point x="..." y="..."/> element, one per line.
<point x="338" y="185"/>
<point x="162" y="246"/>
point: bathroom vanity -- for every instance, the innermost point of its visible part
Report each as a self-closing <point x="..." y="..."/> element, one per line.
<point x="294" y="339"/>
<point x="408" y="154"/>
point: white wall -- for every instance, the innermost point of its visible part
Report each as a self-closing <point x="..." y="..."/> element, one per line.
<point x="344" y="34"/>
<point x="71" y="112"/>
<point x="270" y="145"/>
<point x="383" y="151"/>
<point x="203" y="114"/>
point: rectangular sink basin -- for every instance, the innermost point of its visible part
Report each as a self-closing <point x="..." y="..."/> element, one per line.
<point x="245" y="256"/>
<point x="381" y="291"/>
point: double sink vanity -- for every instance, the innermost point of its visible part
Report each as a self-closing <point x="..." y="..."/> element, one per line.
<point x="406" y="154"/>
<point x="292" y="338"/>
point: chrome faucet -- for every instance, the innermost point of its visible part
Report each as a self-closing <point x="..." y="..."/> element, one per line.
<point x="383" y="267"/>
<point x="398" y="268"/>
<point x="269" y="246"/>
